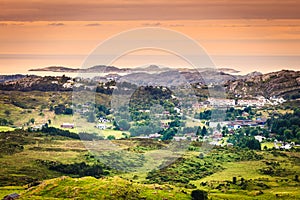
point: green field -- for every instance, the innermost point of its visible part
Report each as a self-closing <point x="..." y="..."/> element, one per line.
<point x="6" y="128"/>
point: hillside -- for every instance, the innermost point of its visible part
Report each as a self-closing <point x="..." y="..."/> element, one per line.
<point x="105" y="188"/>
<point x="282" y="83"/>
<point x="32" y="82"/>
<point x="4" y="78"/>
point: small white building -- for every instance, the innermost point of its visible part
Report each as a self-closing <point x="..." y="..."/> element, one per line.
<point x="155" y="135"/>
<point x="101" y="126"/>
<point x="179" y="138"/>
<point x="259" y="138"/>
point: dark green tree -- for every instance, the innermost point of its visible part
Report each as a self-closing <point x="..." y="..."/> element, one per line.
<point x="199" y="195"/>
<point x="124" y="125"/>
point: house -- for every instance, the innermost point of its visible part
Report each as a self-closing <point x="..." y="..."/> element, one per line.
<point x="233" y="125"/>
<point x="195" y="138"/>
<point x="259" y="138"/>
<point x="178" y="138"/>
<point x="103" y="120"/>
<point x="215" y="143"/>
<point x="67" y="125"/>
<point x="217" y="136"/>
<point x="11" y="196"/>
<point x="167" y="113"/>
<point x="101" y="126"/>
<point x="155" y="135"/>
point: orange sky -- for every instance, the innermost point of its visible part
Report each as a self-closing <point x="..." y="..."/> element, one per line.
<point x="246" y="35"/>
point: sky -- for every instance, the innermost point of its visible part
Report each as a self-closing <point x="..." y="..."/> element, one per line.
<point x="257" y="35"/>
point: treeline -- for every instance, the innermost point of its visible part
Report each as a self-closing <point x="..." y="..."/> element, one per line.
<point x="13" y="142"/>
<point x="5" y="122"/>
<point x="65" y="133"/>
<point x="78" y="169"/>
<point x="230" y="114"/>
<point x="244" y="141"/>
<point x="286" y="126"/>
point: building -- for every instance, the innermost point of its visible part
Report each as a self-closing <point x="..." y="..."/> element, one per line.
<point x="101" y="126"/>
<point x="155" y="135"/>
<point x="67" y="125"/>
<point x="178" y="138"/>
<point x="259" y="138"/>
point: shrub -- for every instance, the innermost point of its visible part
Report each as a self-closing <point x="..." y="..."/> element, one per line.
<point x="199" y="195"/>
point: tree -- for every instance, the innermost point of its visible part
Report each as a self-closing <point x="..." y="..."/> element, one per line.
<point x="69" y="111"/>
<point x="124" y="124"/>
<point x="288" y="134"/>
<point x="32" y="120"/>
<point x="199" y="195"/>
<point x="204" y="131"/>
<point x="234" y="180"/>
<point x="218" y="127"/>
<point x="111" y="137"/>
<point x="7" y="113"/>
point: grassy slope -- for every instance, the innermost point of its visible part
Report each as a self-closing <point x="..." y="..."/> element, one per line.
<point x="106" y="188"/>
<point x="283" y="187"/>
<point x="6" y="128"/>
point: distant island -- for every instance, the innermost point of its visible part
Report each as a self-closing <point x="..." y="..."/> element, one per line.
<point x="113" y="69"/>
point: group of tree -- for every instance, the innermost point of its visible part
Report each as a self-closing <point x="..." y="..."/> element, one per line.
<point x="62" y="109"/>
<point x="78" y="169"/>
<point x="5" y="122"/>
<point x="244" y="141"/>
<point x="286" y="126"/>
<point x="229" y="114"/>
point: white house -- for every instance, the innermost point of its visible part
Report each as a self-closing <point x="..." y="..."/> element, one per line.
<point x="101" y="126"/>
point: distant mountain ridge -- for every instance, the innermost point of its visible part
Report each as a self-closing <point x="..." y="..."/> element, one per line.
<point x="113" y="69"/>
<point x="4" y="78"/>
<point x="284" y="83"/>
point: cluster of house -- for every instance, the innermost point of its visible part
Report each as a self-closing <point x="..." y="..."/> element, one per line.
<point x="102" y="123"/>
<point x="259" y="101"/>
<point x="283" y="145"/>
<point x="237" y="124"/>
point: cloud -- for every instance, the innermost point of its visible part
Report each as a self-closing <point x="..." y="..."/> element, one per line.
<point x="152" y="24"/>
<point x="12" y="24"/>
<point x="56" y="24"/>
<point x="92" y="10"/>
<point x="93" y="24"/>
<point x="176" y="25"/>
<point x="17" y="24"/>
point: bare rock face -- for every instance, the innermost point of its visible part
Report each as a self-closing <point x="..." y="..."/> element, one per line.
<point x="281" y="83"/>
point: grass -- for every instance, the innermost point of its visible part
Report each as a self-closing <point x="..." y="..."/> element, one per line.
<point x="21" y="168"/>
<point x="245" y="169"/>
<point x="280" y="187"/>
<point x="6" y="128"/>
<point x="106" y="188"/>
<point x="10" y="189"/>
<point x="81" y="125"/>
<point x="269" y="145"/>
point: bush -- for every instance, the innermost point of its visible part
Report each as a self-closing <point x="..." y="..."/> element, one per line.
<point x="199" y="195"/>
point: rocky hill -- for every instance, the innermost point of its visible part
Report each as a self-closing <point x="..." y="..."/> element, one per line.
<point x="4" y="78"/>
<point x="283" y="83"/>
<point x="32" y="82"/>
